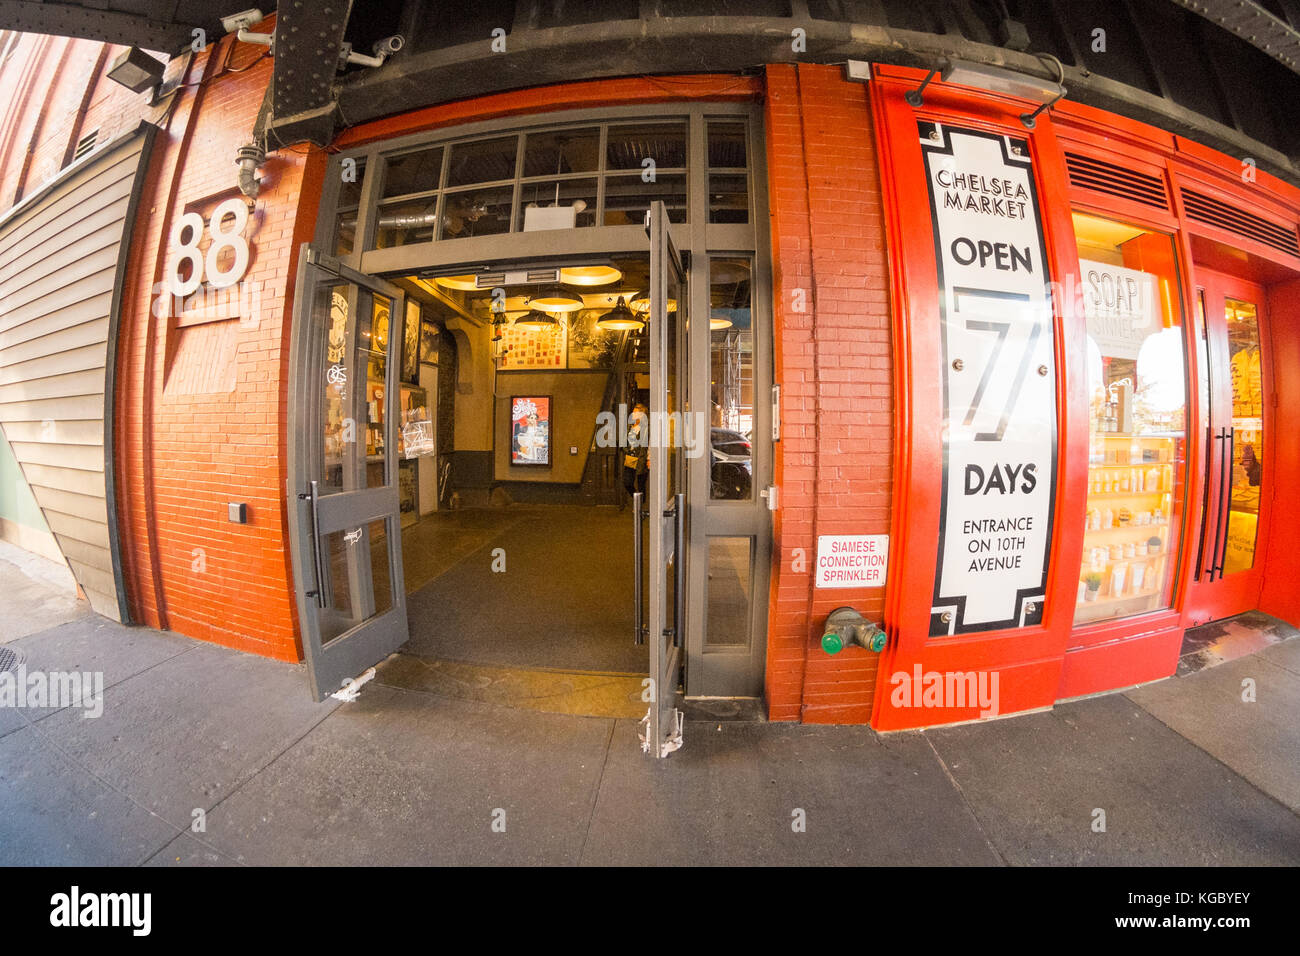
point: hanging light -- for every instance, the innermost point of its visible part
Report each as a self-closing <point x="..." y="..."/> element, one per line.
<point x="620" y="319"/>
<point x="718" y="321"/>
<point x="536" y="321"/>
<point x="555" y="299"/>
<point x="590" y="275"/>
<point x="462" y="283"/>
<point x="640" y="303"/>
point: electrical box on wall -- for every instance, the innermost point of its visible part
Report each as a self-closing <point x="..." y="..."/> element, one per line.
<point x="238" y="512"/>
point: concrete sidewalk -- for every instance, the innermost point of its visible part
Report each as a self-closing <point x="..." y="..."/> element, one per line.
<point x="1186" y="772"/>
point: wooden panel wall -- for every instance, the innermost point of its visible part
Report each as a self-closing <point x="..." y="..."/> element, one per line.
<point x="59" y="261"/>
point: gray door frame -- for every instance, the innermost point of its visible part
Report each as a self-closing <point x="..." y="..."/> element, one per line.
<point x="312" y="517"/>
<point x="712" y="669"/>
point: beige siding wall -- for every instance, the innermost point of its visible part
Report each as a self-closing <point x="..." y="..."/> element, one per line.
<point x="58" y="264"/>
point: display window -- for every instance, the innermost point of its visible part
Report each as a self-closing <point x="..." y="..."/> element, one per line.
<point x="1137" y="388"/>
<point x="1248" y="435"/>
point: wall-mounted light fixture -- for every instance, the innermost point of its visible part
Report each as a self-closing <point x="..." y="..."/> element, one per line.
<point x="136" y="70"/>
<point x="996" y="79"/>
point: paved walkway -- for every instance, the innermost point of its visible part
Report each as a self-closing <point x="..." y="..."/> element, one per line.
<point x="1186" y="772"/>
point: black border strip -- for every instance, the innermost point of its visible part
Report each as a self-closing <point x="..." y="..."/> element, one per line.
<point x="937" y="627"/>
<point x="150" y="133"/>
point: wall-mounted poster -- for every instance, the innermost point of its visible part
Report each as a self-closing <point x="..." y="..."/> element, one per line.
<point x="524" y="348"/>
<point x="530" y="430"/>
<point x="999" y="382"/>
<point x="429" y="333"/>
<point x="411" y="344"/>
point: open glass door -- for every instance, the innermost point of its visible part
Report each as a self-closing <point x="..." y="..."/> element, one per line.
<point x="1229" y="571"/>
<point x="344" y="505"/>
<point x="666" y="487"/>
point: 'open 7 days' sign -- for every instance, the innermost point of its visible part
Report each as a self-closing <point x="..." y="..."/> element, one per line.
<point x="999" y="394"/>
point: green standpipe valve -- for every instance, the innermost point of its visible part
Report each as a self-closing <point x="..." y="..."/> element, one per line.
<point x="846" y="626"/>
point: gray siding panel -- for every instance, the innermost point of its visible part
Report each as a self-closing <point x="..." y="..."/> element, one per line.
<point x="59" y="262"/>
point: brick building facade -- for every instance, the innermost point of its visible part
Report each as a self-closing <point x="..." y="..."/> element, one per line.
<point x="183" y="449"/>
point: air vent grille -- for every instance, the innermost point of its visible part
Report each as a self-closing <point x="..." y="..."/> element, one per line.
<point x="1103" y="177"/>
<point x="85" y="145"/>
<point x="1215" y="212"/>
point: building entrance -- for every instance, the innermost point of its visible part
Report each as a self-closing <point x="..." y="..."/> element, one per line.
<point x="543" y="352"/>
<point x="1238" y="451"/>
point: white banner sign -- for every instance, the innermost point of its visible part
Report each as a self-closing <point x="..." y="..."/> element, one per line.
<point x="999" y="388"/>
<point x="1120" y="305"/>
<point x="852" y="560"/>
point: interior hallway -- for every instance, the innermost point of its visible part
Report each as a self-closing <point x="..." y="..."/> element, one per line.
<point x="563" y="601"/>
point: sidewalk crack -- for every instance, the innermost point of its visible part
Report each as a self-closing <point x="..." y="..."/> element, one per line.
<point x="966" y="803"/>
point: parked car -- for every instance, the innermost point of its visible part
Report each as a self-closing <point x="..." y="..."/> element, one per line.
<point x="730" y="464"/>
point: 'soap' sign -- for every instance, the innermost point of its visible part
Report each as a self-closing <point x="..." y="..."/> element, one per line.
<point x="999" y="393"/>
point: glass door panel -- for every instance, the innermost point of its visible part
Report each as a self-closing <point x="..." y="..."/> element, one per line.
<point x="1136" y="366"/>
<point x="344" y="518"/>
<point x="1246" y="438"/>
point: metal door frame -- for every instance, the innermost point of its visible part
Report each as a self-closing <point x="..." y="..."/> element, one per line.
<point x="1211" y="592"/>
<point x="666" y="489"/>
<point x="312" y="516"/>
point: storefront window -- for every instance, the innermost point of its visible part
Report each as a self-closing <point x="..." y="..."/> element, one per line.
<point x="345" y="222"/>
<point x="644" y="162"/>
<point x="558" y="178"/>
<point x="1247" y="435"/>
<point x="731" y="379"/>
<point x="728" y="173"/>
<point x="1137" y="409"/>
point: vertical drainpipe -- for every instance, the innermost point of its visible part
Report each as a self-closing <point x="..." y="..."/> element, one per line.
<point x="816" y="380"/>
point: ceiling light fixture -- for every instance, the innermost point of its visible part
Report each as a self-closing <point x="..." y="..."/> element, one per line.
<point x="718" y="321"/>
<point x="555" y="299"/>
<point x="640" y="303"/>
<point x="536" y="321"/>
<point x="136" y="70"/>
<point x="996" y="79"/>
<point x="467" y="283"/>
<point x="620" y="319"/>
<point x="590" y="275"/>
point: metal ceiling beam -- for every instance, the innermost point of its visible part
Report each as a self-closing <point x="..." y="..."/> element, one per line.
<point x="308" y="43"/>
<point x="740" y="44"/>
<point x="1254" y="24"/>
<point x="109" y="26"/>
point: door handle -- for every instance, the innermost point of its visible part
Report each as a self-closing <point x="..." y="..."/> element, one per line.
<point x="1229" y="450"/>
<point x="312" y="498"/>
<point x="679" y="569"/>
<point x="638" y="623"/>
<point x="1205" y="551"/>
<point x="1218" y="510"/>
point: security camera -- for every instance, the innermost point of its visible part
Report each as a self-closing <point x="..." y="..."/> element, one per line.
<point x="389" y="45"/>
<point x="241" y="21"/>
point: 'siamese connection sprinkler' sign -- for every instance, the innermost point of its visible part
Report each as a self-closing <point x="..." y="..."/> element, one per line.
<point x="852" y="560"/>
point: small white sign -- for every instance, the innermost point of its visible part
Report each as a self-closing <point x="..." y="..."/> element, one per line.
<point x="852" y="560"/>
<point x="1121" y="305"/>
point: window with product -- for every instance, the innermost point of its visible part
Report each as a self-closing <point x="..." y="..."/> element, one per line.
<point x="1137" y="389"/>
<point x="1247" y="446"/>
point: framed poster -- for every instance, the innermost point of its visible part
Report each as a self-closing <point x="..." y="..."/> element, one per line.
<point x="411" y="344"/>
<point x="530" y="430"/>
<point x="999" y="387"/>
<point x="429" y="333"/>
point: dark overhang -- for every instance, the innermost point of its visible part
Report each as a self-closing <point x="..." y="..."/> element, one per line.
<point x="167" y="26"/>
<point x="1223" y="72"/>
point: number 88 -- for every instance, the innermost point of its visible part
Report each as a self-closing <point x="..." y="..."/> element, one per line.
<point x="187" y="249"/>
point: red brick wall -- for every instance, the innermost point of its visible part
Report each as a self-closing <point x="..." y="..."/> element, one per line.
<point x="833" y="363"/>
<point x="184" y="451"/>
<point x="201" y="409"/>
<point x="183" y="455"/>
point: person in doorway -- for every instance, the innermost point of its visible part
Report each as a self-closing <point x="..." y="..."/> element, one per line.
<point x="636" y="451"/>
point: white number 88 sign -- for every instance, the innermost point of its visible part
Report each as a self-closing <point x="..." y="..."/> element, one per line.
<point x="184" y="245"/>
